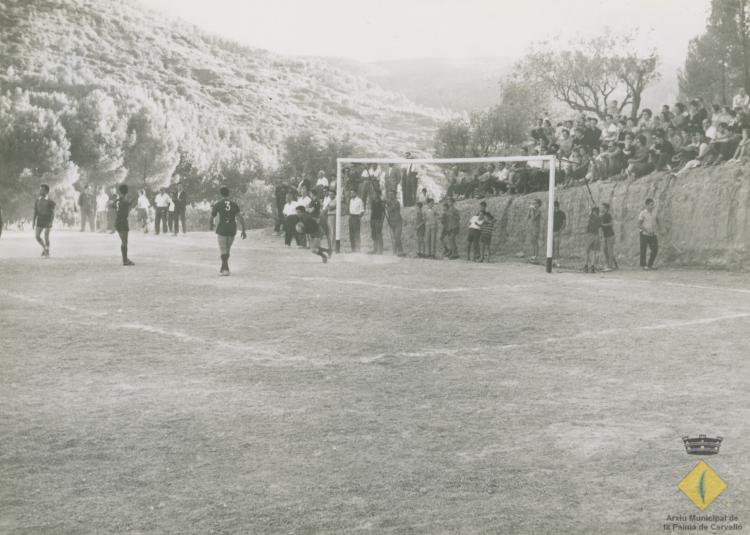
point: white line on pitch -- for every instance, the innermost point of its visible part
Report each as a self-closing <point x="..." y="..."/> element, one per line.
<point x="357" y="282"/>
<point x="69" y="308"/>
<point x="546" y="341"/>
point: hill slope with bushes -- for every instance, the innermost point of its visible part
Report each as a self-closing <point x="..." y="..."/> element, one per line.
<point x="107" y="90"/>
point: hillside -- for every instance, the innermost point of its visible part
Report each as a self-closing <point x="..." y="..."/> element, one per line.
<point x="137" y="75"/>
<point x="468" y="84"/>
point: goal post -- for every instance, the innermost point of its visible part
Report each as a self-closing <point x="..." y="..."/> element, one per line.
<point x="340" y="162"/>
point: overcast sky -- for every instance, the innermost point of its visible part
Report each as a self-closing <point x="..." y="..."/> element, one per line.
<point x="371" y="30"/>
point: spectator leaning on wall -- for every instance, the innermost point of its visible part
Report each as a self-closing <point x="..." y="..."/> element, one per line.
<point x="648" y="225"/>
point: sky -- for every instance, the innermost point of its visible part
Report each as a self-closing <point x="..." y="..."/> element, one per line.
<point x="378" y="30"/>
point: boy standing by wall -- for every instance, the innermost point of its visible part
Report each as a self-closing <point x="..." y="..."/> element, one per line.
<point x="420" y="227"/>
<point x="558" y="225"/>
<point x="488" y="224"/>
<point x="648" y="224"/>
<point x="535" y="224"/>
<point x="475" y="231"/>
<point x="608" y="232"/>
<point x="431" y="219"/>
<point x="592" y="239"/>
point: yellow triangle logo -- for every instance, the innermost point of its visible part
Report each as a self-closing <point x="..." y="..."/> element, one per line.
<point x="702" y="485"/>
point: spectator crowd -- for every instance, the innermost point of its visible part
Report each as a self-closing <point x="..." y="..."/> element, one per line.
<point x="673" y="139"/>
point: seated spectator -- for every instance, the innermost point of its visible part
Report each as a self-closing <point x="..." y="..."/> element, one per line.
<point x="698" y="115"/>
<point x="741" y="99"/>
<point x="549" y="131"/>
<point x="724" y="115"/>
<point x="626" y="127"/>
<point x="723" y="147"/>
<point x="597" y="165"/>
<point x="699" y="158"/>
<point x="681" y="117"/>
<point x="592" y="134"/>
<point x="537" y="133"/>
<point x="743" y="149"/>
<point x="628" y="147"/>
<point x="675" y="137"/>
<point x="688" y="152"/>
<point x="610" y="130"/>
<point x="661" y="151"/>
<point x="666" y="114"/>
<point x="638" y="164"/>
<point x="565" y="143"/>
<point x="709" y="129"/>
<point x="646" y="125"/>
<point x="613" y="159"/>
<point x="612" y="109"/>
<point x="503" y="177"/>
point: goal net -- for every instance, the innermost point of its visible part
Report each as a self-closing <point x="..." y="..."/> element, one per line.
<point x="533" y="161"/>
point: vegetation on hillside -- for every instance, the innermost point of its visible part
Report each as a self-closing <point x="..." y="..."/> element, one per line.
<point x="99" y="92"/>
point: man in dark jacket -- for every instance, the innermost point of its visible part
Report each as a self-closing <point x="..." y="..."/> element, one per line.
<point x="395" y="223"/>
<point x="180" y="208"/>
<point x="87" y="204"/>
<point x="377" y="215"/>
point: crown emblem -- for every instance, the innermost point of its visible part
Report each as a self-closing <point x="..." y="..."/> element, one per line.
<point x="702" y="445"/>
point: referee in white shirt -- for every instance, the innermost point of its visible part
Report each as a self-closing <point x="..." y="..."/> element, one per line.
<point x="356" y="209"/>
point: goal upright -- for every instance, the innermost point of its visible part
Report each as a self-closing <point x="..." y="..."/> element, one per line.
<point x="489" y="159"/>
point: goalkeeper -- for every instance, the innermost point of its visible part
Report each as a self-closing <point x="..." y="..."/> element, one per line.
<point x="308" y="225"/>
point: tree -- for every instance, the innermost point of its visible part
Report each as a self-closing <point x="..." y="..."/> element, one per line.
<point x="520" y="104"/>
<point x="150" y="153"/>
<point x="97" y="133"/>
<point x="33" y="149"/>
<point x="453" y="139"/>
<point x="304" y="154"/>
<point x="719" y="60"/>
<point x="593" y="73"/>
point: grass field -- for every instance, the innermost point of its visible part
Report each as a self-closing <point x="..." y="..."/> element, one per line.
<point x="368" y="395"/>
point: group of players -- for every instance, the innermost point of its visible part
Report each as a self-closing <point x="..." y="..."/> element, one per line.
<point x="227" y="211"/>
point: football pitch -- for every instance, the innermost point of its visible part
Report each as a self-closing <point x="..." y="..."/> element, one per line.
<point x="367" y="395"/>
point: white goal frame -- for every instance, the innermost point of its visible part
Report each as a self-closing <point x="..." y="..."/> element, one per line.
<point x="490" y="159"/>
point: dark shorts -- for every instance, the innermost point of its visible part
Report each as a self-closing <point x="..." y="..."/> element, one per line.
<point x="486" y="239"/>
<point x="43" y="222"/>
<point x="122" y="226"/>
<point x="474" y="234"/>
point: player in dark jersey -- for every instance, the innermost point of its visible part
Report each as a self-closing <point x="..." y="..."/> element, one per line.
<point x="121" y="207"/>
<point x="226" y="230"/>
<point x="44" y="213"/>
<point x="309" y="225"/>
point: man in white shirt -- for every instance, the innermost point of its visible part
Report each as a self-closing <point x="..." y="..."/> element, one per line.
<point x="322" y="180"/>
<point x="102" y="202"/>
<point x="741" y="99"/>
<point x="648" y="225"/>
<point x="142" y="210"/>
<point x="290" y="219"/>
<point x="304" y="199"/>
<point x="161" y="202"/>
<point x="356" y="209"/>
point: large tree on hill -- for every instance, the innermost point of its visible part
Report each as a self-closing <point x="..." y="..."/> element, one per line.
<point x="33" y="149"/>
<point x="590" y="74"/>
<point x="718" y="61"/>
<point x="150" y="153"/>
<point x="97" y="133"/>
<point x="304" y="155"/>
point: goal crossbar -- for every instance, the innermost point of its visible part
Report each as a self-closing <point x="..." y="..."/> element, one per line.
<point x="488" y="159"/>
